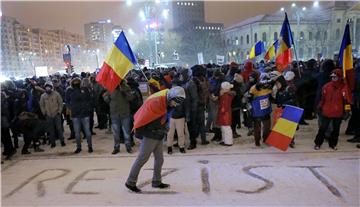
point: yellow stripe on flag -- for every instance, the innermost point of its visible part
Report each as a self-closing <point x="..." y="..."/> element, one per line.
<point x="285" y="127"/>
<point x="347" y="59"/>
<point x="159" y="93"/>
<point x="118" y="62"/>
<point x="252" y="53"/>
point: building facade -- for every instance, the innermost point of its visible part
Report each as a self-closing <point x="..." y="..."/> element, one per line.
<point x="315" y="33"/>
<point x="23" y="48"/>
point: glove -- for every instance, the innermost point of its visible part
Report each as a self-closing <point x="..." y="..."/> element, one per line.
<point x="346" y="115"/>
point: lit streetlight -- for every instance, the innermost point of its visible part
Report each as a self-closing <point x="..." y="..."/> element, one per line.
<point x="293" y="5"/>
<point x="128" y="2"/>
<point x="304" y="8"/>
<point x="316" y="3"/>
<point x="282" y="9"/>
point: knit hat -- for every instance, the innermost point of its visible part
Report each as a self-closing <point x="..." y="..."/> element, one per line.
<point x="49" y="83"/>
<point x="176" y="94"/>
<point x="289" y="76"/>
<point x="226" y="85"/>
<point x="264" y="78"/>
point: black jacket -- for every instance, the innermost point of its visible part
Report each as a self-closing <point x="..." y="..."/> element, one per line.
<point x="80" y="103"/>
<point x="153" y="130"/>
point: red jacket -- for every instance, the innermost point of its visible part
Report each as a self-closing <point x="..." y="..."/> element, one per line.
<point x="224" y="117"/>
<point x="334" y="97"/>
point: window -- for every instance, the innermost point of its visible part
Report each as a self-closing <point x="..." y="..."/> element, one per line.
<point x="275" y="36"/>
<point x="255" y="37"/>
<point x="325" y="35"/>
<point x="338" y="20"/>
<point x="301" y="53"/>
<point x="302" y="36"/>
<point x="247" y="39"/>
<point x="241" y="40"/>
<point x="264" y="36"/>
<point x="337" y="34"/>
<point x="228" y="41"/>
<point x="310" y="36"/>
<point x="236" y="41"/>
<point x="310" y="52"/>
<point x="317" y="36"/>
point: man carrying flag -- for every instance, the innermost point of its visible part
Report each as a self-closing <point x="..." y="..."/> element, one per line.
<point x="270" y="54"/>
<point x="118" y="62"/>
<point x="150" y="125"/>
<point x="284" y="52"/>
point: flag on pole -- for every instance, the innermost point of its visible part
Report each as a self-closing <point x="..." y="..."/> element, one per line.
<point x="284" y="53"/>
<point x="346" y="58"/>
<point x="284" y="130"/>
<point x="270" y="54"/>
<point x="118" y="62"/>
<point x="257" y="49"/>
<point x="154" y="107"/>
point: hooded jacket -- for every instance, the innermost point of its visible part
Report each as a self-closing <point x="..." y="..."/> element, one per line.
<point x="334" y="97"/>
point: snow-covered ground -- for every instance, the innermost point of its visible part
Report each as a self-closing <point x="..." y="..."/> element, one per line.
<point x="209" y="175"/>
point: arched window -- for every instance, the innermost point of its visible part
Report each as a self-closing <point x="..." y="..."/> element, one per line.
<point x="241" y="40"/>
<point x="325" y="35"/>
<point x="247" y="39"/>
<point x="302" y="36"/>
<point x="275" y="36"/>
<point x="264" y="36"/>
<point x="255" y="37"/>
<point x="236" y="41"/>
<point x="337" y="34"/>
<point x="228" y="42"/>
<point x="310" y="36"/>
<point x="317" y="36"/>
<point x="301" y="53"/>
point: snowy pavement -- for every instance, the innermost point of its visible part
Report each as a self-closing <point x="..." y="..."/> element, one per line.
<point x="210" y="175"/>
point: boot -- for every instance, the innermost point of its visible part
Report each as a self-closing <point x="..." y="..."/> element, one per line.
<point x="170" y="150"/>
<point x="217" y="137"/>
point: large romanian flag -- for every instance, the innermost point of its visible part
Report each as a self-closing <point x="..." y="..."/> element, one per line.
<point x="154" y="107"/>
<point x="118" y="62"/>
<point x="284" y="130"/>
<point x="270" y="54"/>
<point x="346" y="58"/>
<point x="284" y="53"/>
<point x="257" y="49"/>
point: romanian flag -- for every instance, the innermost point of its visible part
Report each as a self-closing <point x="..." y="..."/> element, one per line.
<point x="270" y="54"/>
<point x="346" y="59"/>
<point x="118" y="62"/>
<point x="284" y="130"/>
<point x="257" y="49"/>
<point x="284" y="53"/>
<point x="154" y="107"/>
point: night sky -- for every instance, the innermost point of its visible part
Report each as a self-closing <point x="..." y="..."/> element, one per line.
<point x="72" y="16"/>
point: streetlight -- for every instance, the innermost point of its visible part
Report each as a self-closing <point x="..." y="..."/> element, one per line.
<point x="304" y="8"/>
<point x="293" y="5"/>
<point x="128" y="2"/>
<point x="282" y="9"/>
<point x="316" y="4"/>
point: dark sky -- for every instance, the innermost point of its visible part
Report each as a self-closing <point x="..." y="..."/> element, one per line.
<point x="72" y="16"/>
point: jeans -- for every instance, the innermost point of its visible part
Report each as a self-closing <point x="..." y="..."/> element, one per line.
<point x="55" y="128"/>
<point x="147" y="147"/>
<point x="85" y="124"/>
<point x="123" y="124"/>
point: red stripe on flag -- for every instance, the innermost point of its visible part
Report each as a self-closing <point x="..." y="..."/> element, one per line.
<point x="350" y="78"/>
<point x="278" y="140"/>
<point x="108" y="78"/>
<point x="283" y="60"/>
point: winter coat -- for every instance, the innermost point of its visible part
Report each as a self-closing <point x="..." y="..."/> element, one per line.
<point x="5" y="111"/>
<point x="79" y="102"/>
<point x="192" y="95"/>
<point x="119" y="101"/>
<point x="51" y="104"/>
<point x="334" y="97"/>
<point x="239" y="89"/>
<point x="224" y="117"/>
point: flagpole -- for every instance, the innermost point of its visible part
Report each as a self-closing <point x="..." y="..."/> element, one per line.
<point x="137" y="64"/>
<point x="298" y="66"/>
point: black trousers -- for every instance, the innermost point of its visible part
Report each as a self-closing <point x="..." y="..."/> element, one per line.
<point x="354" y="122"/>
<point x="196" y="125"/>
<point x="236" y="120"/>
<point x="33" y="134"/>
<point x="333" y="139"/>
<point x="6" y="141"/>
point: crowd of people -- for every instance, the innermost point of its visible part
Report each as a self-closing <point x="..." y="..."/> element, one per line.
<point x="219" y="100"/>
